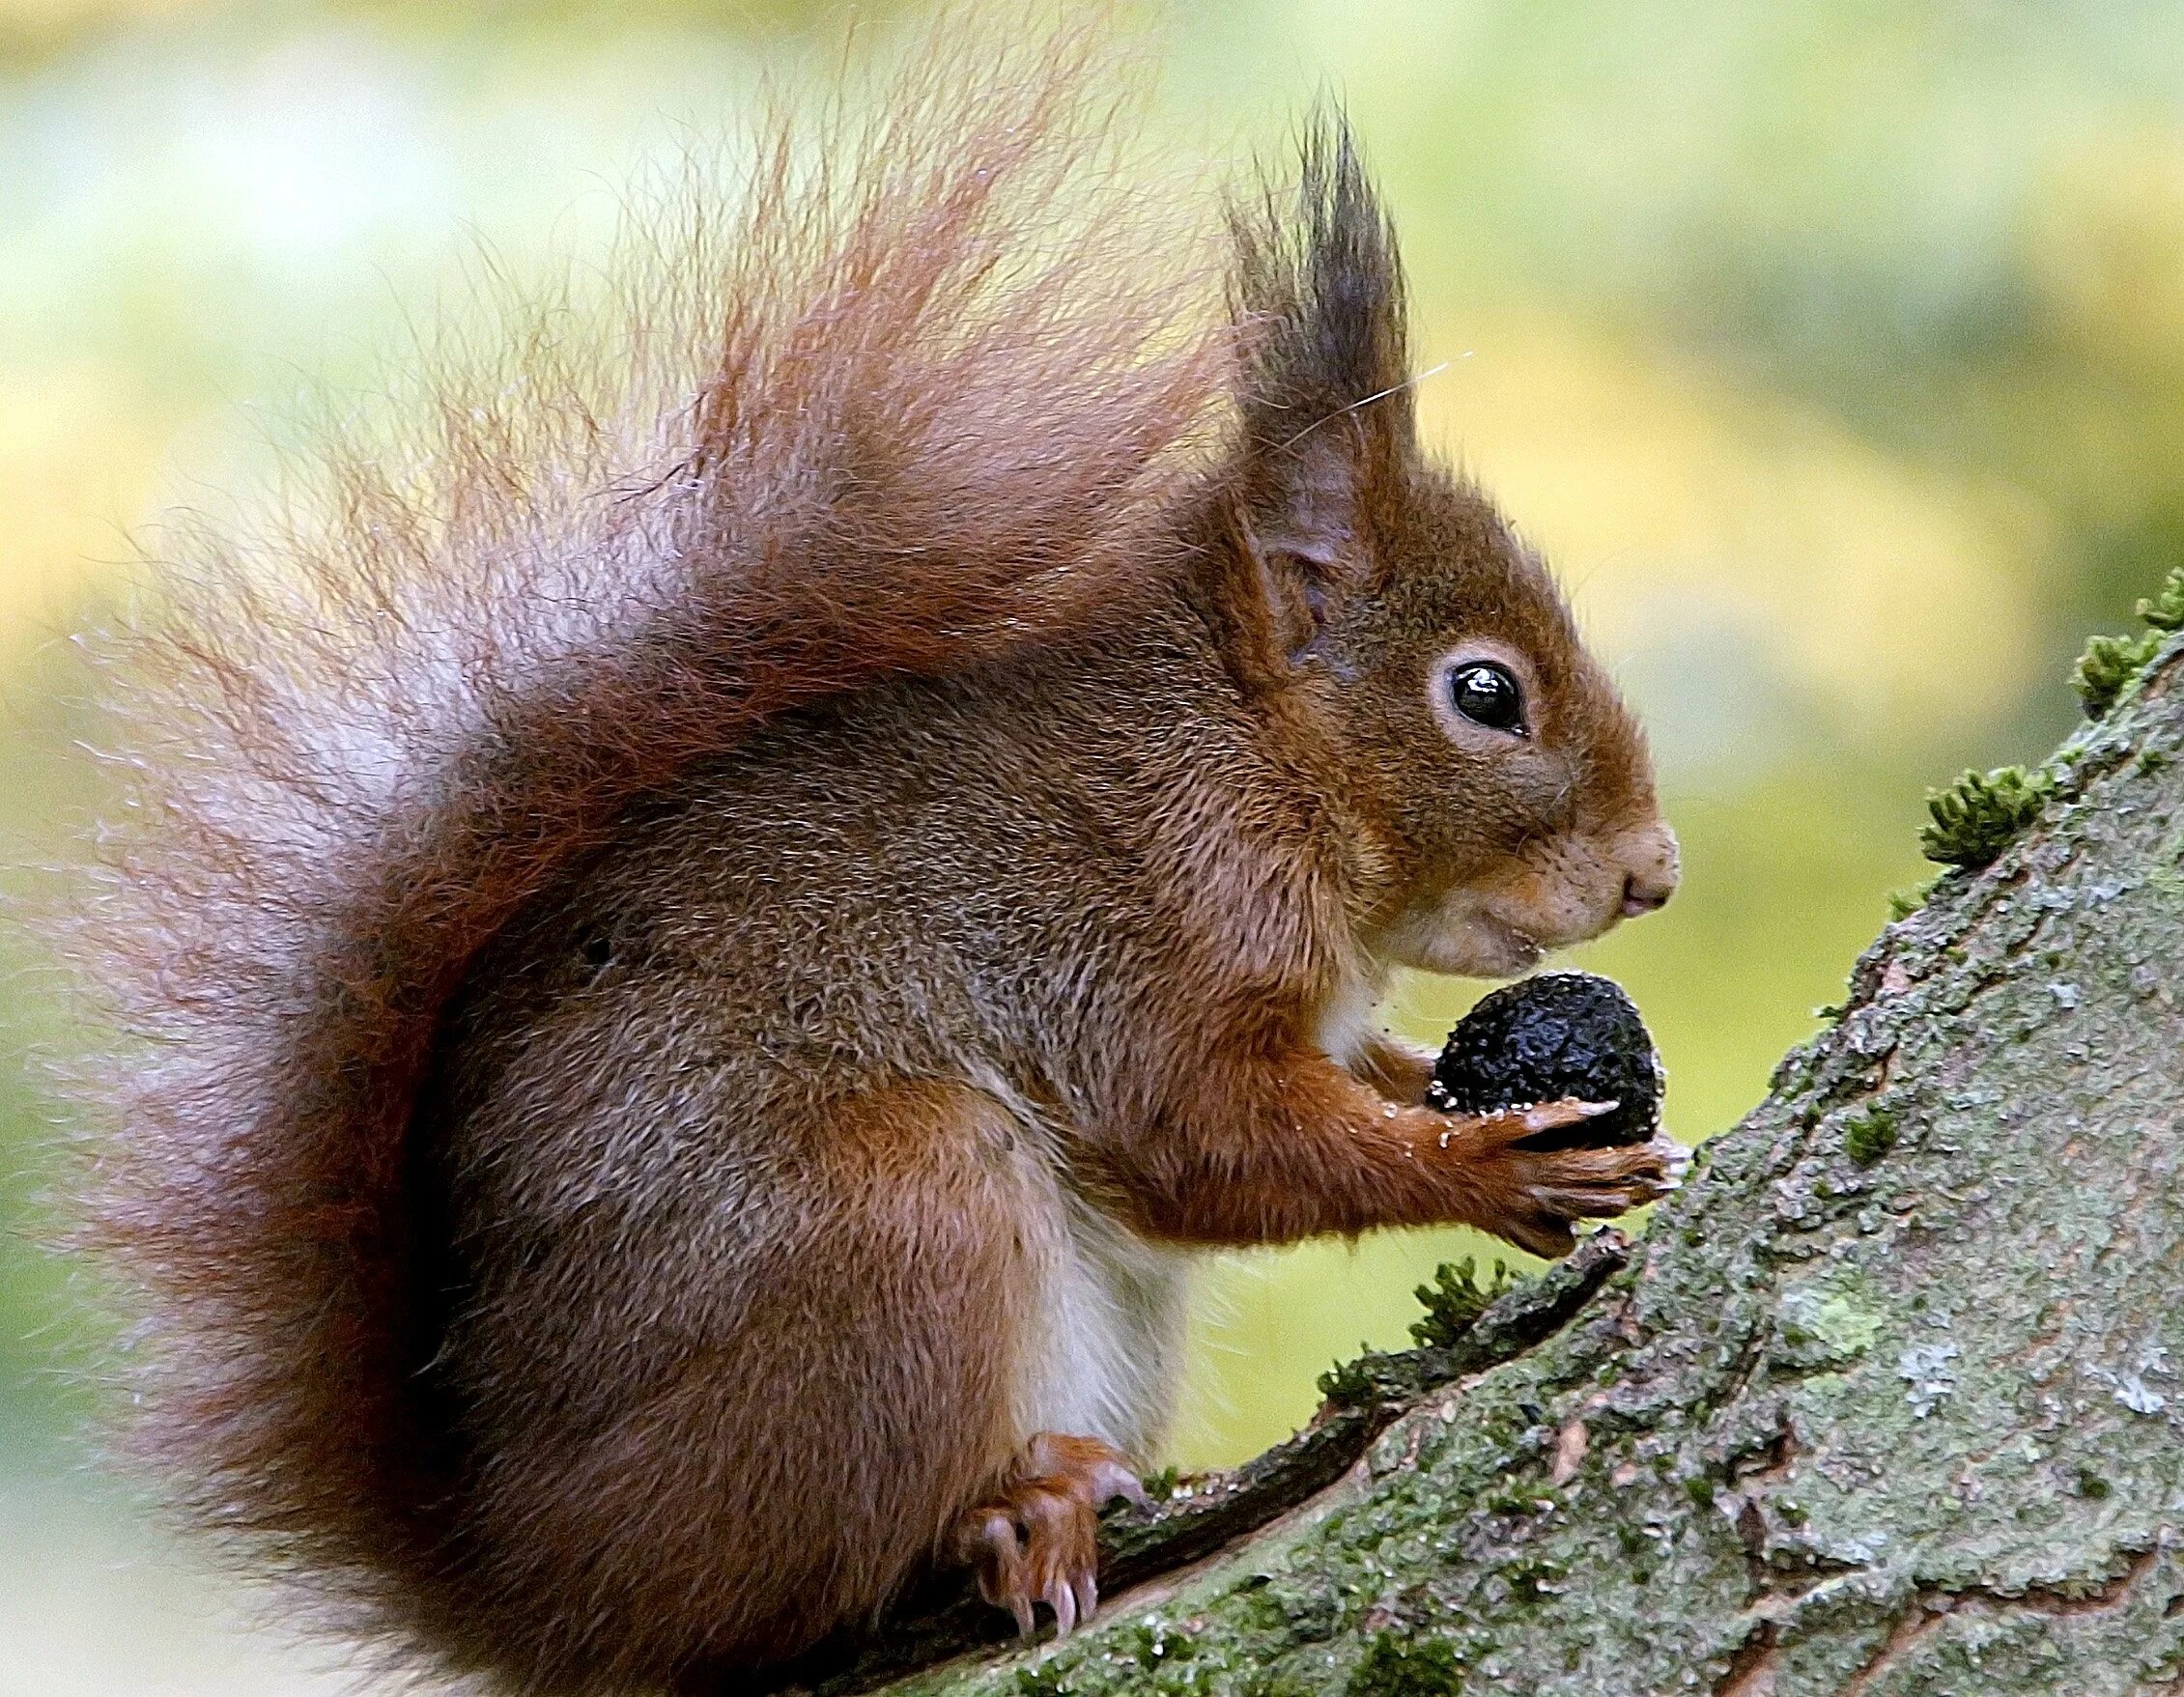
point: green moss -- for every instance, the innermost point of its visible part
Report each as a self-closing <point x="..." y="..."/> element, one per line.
<point x="1976" y="817"/>
<point x="2109" y="666"/>
<point x="1302" y="1607"/>
<point x="1534" y="1578"/>
<point x="1905" y="902"/>
<point x="1456" y="1299"/>
<point x="1869" y="1135"/>
<point x="1393" y="1666"/>
<point x="1154" y="1647"/>
<point x="1038" y="1682"/>
<point x="2166" y="610"/>
<point x="1507" y="1499"/>
<point x="1348" y="1384"/>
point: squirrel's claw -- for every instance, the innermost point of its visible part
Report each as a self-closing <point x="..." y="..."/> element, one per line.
<point x="1554" y="1115"/>
<point x="1061" y="1599"/>
<point x="1563" y="1186"/>
<point x="1112" y="1479"/>
<point x="986" y="1541"/>
<point x="1036" y="1539"/>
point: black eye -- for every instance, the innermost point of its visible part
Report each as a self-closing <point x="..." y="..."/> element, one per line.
<point x="1485" y="693"/>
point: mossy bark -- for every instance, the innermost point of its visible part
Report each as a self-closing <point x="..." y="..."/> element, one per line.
<point x="1891" y="1399"/>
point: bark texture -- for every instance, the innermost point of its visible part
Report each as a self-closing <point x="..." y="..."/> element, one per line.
<point x="1889" y="1402"/>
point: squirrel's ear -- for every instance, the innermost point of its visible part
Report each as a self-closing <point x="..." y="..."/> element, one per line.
<point x="1324" y="404"/>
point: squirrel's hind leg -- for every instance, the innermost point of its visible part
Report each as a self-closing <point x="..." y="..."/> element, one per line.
<point x="831" y="1375"/>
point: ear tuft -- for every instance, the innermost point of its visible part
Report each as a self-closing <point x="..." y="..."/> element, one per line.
<point x="1318" y="294"/>
<point x="1324" y="407"/>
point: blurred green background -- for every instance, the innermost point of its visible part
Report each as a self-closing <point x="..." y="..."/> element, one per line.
<point x="1834" y="352"/>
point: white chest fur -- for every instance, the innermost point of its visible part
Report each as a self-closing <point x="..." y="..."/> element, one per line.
<point x="1106" y="1350"/>
<point x="1346" y="1024"/>
<point x="1106" y="1346"/>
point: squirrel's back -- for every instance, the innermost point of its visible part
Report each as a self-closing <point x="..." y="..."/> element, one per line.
<point x="918" y="403"/>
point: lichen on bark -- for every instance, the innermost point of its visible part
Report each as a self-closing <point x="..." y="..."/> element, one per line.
<point x="1893" y="1415"/>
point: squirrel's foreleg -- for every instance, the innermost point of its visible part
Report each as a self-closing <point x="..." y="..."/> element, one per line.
<point x="1277" y="1143"/>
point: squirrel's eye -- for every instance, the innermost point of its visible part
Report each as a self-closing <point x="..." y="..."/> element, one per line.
<point x="1485" y="693"/>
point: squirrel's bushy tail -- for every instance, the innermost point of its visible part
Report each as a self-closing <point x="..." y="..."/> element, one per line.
<point x="914" y="401"/>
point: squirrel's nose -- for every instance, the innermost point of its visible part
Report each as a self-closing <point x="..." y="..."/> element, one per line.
<point x="1648" y="869"/>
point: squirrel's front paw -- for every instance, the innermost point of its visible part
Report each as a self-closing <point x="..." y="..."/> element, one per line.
<point x="1550" y="1190"/>
<point x="1036" y="1539"/>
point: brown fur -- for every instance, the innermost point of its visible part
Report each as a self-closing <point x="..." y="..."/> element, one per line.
<point x="692" y="966"/>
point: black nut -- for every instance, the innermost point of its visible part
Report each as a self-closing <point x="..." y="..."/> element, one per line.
<point x="1546" y="1038"/>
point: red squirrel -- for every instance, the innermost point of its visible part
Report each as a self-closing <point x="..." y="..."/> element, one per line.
<point x="692" y="956"/>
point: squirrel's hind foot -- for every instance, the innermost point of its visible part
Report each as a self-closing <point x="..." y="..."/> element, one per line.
<point x="1036" y="1539"/>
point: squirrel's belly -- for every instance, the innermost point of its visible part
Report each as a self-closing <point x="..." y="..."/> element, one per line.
<point x="1106" y="1346"/>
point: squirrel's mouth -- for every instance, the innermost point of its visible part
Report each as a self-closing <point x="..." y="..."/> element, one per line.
<point x="1466" y="942"/>
<point x="1504" y="949"/>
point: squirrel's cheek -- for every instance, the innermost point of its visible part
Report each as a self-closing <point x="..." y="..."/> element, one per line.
<point x="1573" y="889"/>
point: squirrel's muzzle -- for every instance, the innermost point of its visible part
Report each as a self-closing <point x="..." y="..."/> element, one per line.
<point x="1648" y="856"/>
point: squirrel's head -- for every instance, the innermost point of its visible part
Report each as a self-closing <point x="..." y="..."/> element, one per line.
<point x="1498" y="793"/>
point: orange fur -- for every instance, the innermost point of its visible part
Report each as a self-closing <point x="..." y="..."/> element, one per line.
<point x="688" y="955"/>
